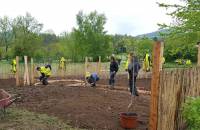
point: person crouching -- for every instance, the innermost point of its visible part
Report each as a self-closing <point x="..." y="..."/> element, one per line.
<point x="45" y="73"/>
<point x="92" y="79"/>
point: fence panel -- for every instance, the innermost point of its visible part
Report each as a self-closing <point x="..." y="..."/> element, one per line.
<point x="175" y="86"/>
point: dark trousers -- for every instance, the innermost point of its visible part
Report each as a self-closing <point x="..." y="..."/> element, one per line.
<point x="132" y="85"/>
<point x="43" y="78"/>
<point x="112" y="78"/>
<point x="91" y="80"/>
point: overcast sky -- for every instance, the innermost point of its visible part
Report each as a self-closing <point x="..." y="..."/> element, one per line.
<point x="130" y="17"/>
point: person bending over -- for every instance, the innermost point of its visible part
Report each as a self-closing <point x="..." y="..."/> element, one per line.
<point x="45" y="72"/>
<point x="92" y="78"/>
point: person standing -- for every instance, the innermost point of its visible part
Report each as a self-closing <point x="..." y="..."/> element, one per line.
<point x="146" y="62"/>
<point x="14" y="63"/>
<point x="62" y="64"/>
<point x="113" y="70"/>
<point x="133" y="67"/>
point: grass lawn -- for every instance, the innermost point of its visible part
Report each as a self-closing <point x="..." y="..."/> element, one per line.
<point x="18" y="119"/>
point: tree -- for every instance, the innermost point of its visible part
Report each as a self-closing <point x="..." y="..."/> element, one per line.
<point x="184" y="31"/>
<point x="6" y="32"/>
<point x="186" y="17"/>
<point x="26" y="35"/>
<point x="90" y="36"/>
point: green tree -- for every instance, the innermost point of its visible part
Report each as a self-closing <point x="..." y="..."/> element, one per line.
<point x="184" y="31"/>
<point x="90" y="36"/>
<point x="26" y="35"/>
<point x="6" y="32"/>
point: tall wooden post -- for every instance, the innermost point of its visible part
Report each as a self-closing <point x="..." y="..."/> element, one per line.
<point x="86" y="66"/>
<point x="161" y="55"/>
<point x="32" y="72"/>
<point x="153" y="121"/>
<point x="17" y="71"/>
<point x="198" y="60"/>
<point x="26" y="73"/>
<point x="99" y="66"/>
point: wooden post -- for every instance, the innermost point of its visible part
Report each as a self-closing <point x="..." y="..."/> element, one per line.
<point x="32" y="72"/>
<point x="99" y="66"/>
<point x="198" y="60"/>
<point x="86" y="66"/>
<point x="26" y="73"/>
<point x="161" y="55"/>
<point x="153" y="121"/>
<point x="17" y="71"/>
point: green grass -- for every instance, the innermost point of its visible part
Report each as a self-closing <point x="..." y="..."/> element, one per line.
<point x="174" y="65"/>
<point x="18" y="119"/>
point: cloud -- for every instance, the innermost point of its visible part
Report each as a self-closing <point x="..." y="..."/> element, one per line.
<point x="123" y="16"/>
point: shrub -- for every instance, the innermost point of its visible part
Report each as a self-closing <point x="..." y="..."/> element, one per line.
<point x="191" y="113"/>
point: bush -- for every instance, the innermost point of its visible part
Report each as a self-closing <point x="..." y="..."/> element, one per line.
<point x="191" y="113"/>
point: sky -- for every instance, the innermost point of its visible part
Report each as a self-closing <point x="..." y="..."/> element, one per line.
<point x="131" y="17"/>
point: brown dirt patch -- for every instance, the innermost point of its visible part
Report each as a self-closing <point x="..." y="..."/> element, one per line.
<point x="84" y="107"/>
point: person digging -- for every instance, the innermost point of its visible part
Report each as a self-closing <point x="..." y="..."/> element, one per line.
<point x="92" y="78"/>
<point x="133" y="67"/>
<point x="45" y="73"/>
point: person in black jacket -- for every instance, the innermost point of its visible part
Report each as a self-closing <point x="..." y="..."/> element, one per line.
<point x="113" y="70"/>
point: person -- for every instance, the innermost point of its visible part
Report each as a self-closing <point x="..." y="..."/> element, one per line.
<point x="188" y="62"/>
<point x="163" y="60"/>
<point x="13" y="63"/>
<point x="92" y="78"/>
<point x="45" y="73"/>
<point x="146" y="62"/>
<point x="133" y="67"/>
<point x="62" y="63"/>
<point x="113" y="70"/>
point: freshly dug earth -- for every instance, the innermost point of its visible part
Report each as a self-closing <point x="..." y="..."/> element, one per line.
<point x="83" y="107"/>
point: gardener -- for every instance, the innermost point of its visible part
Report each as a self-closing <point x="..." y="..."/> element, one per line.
<point x="113" y="70"/>
<point x="133" y="67"/>
<point x="62" y="63"/>
<point x="146" y="62"/>
<point x="13" y="63"/>
<point x="92" y="78"/>
<point x="45" y="73"/>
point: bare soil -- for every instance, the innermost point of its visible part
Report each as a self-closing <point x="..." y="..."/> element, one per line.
<point x="84" y="107"/>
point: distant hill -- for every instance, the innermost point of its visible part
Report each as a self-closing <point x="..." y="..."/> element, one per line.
<point x="152" y="34"/>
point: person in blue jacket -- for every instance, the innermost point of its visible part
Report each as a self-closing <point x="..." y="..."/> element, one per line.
<point x="92" y="78"/>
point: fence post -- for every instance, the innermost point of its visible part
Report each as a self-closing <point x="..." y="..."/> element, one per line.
<point x="86" y="66"/>
<point x="17" y="72"/>
<point x="161" y="55"/>
<point x="99" y="66"/>
<point x="198" y="60"/>
<point x="32" y="72"/>
<point x="26" y="73"/>
<point x="153" y="121"/>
